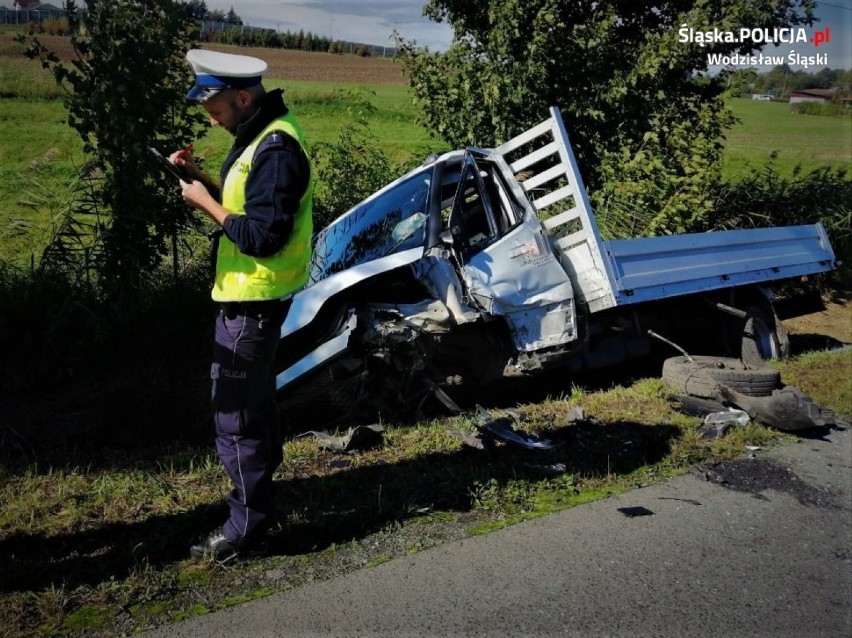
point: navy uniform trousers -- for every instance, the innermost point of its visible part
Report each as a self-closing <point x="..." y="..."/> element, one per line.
<point x="248" y="434"/>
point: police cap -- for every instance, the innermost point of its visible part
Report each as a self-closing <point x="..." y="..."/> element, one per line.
<point x="215" y="71"/>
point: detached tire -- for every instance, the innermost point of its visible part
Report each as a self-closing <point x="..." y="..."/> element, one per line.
<point x="699" y="377"/>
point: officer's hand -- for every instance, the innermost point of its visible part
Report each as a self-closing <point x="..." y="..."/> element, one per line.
<point x="184" y="159"/>
<point x="196" y="194"/>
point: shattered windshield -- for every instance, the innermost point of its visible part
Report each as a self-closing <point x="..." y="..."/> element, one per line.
<point x="390" y="223"/>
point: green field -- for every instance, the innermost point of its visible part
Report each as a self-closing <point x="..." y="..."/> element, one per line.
<point x="323" y="108"/>
<point x="767" y="127"/>
<point x="40" y="155"/>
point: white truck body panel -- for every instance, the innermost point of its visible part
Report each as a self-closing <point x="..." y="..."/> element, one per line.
<point x="307" y="302"/>
<point x="571" y="225"/>
<point x="519" y="278"/>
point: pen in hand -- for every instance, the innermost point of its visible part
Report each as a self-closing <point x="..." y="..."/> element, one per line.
<point x="186" y="152"/>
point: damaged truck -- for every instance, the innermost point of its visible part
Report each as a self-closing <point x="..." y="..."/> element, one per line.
<point x="484" y="264"/>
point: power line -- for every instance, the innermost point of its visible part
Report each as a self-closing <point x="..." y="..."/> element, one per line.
<point x="836" y="6"/>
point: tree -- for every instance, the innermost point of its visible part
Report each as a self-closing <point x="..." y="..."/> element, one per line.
<point x="233" y="18"/>
<point x="217" y="15"/>
<point x="739" y="81"/>
<point x="647" y="133"/>
<point x="825" y="78"/>
<point x="776" y="81"/>
<point x="124" y="92"/>
<point x="195" y="9"/>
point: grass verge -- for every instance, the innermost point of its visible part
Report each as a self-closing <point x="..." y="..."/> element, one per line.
<point x="102" y="550"/>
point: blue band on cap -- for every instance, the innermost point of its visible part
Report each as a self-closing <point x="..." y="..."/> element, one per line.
<point x="222" y="82"/>
<point x="198" y="94"/>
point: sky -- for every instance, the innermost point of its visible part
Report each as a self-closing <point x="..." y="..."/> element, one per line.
<point x="366" y="21"/>
<point x="835" y="15"/>
<point x="373" y="21"/>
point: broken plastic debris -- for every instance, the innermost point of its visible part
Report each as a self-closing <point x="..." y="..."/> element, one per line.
<point x="713" y="431"/>
<point x="443" y="397"/>
<point x="632" y="512"/>
<point x="716" y="424"/>
<point x="731" y="417"/>
<point x="470" y="439"/>
<point x="553" y="469"/>
<point x="576" y="415"/>
<point x="787" y="409"/>
<point x="507" y="433"/>
<point x="694" y="406"/>
<point x="358" y="437"/>
<point x="501" y="428"/>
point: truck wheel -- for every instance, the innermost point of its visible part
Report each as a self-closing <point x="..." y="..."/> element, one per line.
<point x="699" y="377"/>
<point x="761" y="337"/>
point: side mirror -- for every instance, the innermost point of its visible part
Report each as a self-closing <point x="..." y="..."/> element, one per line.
<point x="446" y="238"/>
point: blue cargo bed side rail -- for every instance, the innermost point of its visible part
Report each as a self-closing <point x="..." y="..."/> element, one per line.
<point x="652" y="268"/>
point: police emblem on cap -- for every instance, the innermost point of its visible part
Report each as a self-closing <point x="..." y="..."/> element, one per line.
<point x="215" y="71"/>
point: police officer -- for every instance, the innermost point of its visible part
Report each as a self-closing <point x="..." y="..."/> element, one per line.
<point x="264" y="211"/>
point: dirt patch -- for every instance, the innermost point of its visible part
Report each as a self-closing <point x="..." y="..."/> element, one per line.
<point x="756" y="475"/>
<point x="284" y="64"/>
<point x="827" y="328"/>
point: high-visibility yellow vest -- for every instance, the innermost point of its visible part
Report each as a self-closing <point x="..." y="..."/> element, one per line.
<point x="240" y="277"/>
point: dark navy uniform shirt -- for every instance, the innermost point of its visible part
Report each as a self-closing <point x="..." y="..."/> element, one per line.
<point x="279" y="176"/>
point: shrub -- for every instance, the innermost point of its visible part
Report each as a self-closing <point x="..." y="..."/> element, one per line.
<point x="55" y="26"/>
<point x="765" y="198"/>
<point x="124" y="93"/>
<point x="83" y="373"/>
<point x="827" y="110"/>
<point x="353" y="168"/>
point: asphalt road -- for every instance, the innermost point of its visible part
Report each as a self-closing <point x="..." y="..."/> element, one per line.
<point x="709" y="554"/>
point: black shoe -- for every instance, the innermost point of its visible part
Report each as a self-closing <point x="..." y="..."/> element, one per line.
<point x="215" y="544"/>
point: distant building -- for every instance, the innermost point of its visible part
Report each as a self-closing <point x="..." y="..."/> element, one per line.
<point x="761" y="97"/>
<point x="817" y="96"/>
<point x="23" y="11"/>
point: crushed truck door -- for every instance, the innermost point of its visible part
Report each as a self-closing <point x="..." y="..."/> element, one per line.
<point x="506" y="260"/>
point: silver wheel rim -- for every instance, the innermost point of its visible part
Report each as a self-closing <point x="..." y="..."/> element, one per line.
<point x="756" y="332"/>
